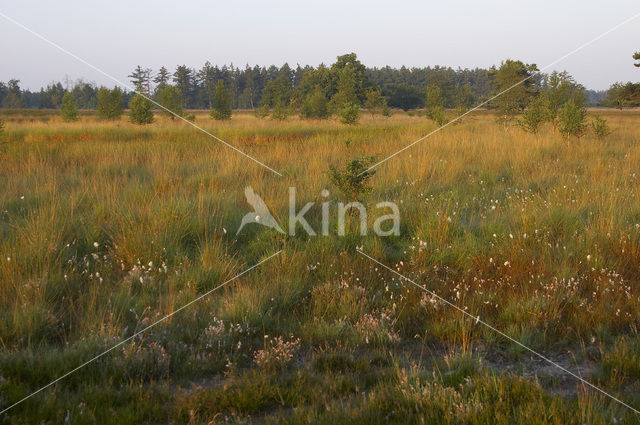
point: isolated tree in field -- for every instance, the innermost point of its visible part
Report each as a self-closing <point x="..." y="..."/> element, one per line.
<point x="69" y="107"/>
<point x="600" y="127"/>
<point x="572" y="119"/>
<point x="162" y="78"/>
<point x="353" y="179"/>
<point x="536" y="114"/>
<point x="373" y="101"/>
<point x="434" y="105"/>
<point x="170" y="98"/>
<point x="346" y="94"/>
<point x="345" y="102"/>
<point x="221" y="103"/>
<point x="110" y="102"/>
<point x="141" y="111"/>
<point x="357" y="74"/>
<point x="515" y="84"/>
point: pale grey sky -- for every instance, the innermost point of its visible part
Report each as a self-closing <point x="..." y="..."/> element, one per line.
<point x="117" y="35"/>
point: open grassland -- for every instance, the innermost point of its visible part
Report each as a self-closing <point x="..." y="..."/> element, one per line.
<point x="107" y="227"/>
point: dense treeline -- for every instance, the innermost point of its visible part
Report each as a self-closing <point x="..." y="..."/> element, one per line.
<point x="270" y="87"/>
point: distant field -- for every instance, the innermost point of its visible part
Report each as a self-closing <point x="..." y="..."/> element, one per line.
<point x="106" y="227"/>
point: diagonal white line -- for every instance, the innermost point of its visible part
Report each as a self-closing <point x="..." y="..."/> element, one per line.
<point x="139" y="332"/>
<point x="576" y="50"/>
<point x="478" y="320"/>
<point x="62" y="49"/>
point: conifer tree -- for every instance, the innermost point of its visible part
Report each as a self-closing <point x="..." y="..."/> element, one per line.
<point x="221" y="102"/>
<point x="69" y="107"/>
<point x="140" y="110"/>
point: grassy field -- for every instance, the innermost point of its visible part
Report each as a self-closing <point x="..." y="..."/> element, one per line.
<point x="107" y="227"/>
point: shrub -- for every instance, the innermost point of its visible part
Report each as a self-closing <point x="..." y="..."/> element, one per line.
<point x="353" y="180"/>
<point x="280" y="112"/>
<point x="69" y="107"/>
<point x="386" y="111"/>
<point x="349" y="113"/>
<point x="600" y="127"/>
<point x="571" y="119"/>
<point x="3" y="141"/>
<point x="262" y="111"/>
<point x="536" y="114"/>
<point x="140" y="110"/>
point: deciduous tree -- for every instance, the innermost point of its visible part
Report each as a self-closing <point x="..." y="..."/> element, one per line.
<point x="572" y="119"/>
<point x="434" y="105"/>
<point x="374" y="100"/>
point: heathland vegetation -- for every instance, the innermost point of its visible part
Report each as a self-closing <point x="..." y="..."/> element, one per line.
<point x="284" y="90"/>
<point x="526" y="215"/>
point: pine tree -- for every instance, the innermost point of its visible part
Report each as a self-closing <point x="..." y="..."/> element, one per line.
<point x="515" y="84"/>
<point x="221" y="102"/>
<point x="185" y="83"/>
<point x="140" y="110"/>
<point x="162" y="78"/>
<point x="141" y="79"/>
<point x="277" y="94"/>
<point x="69" y="108"/>
<point x="170" y="98"/>
<point x="110" y="103"/>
